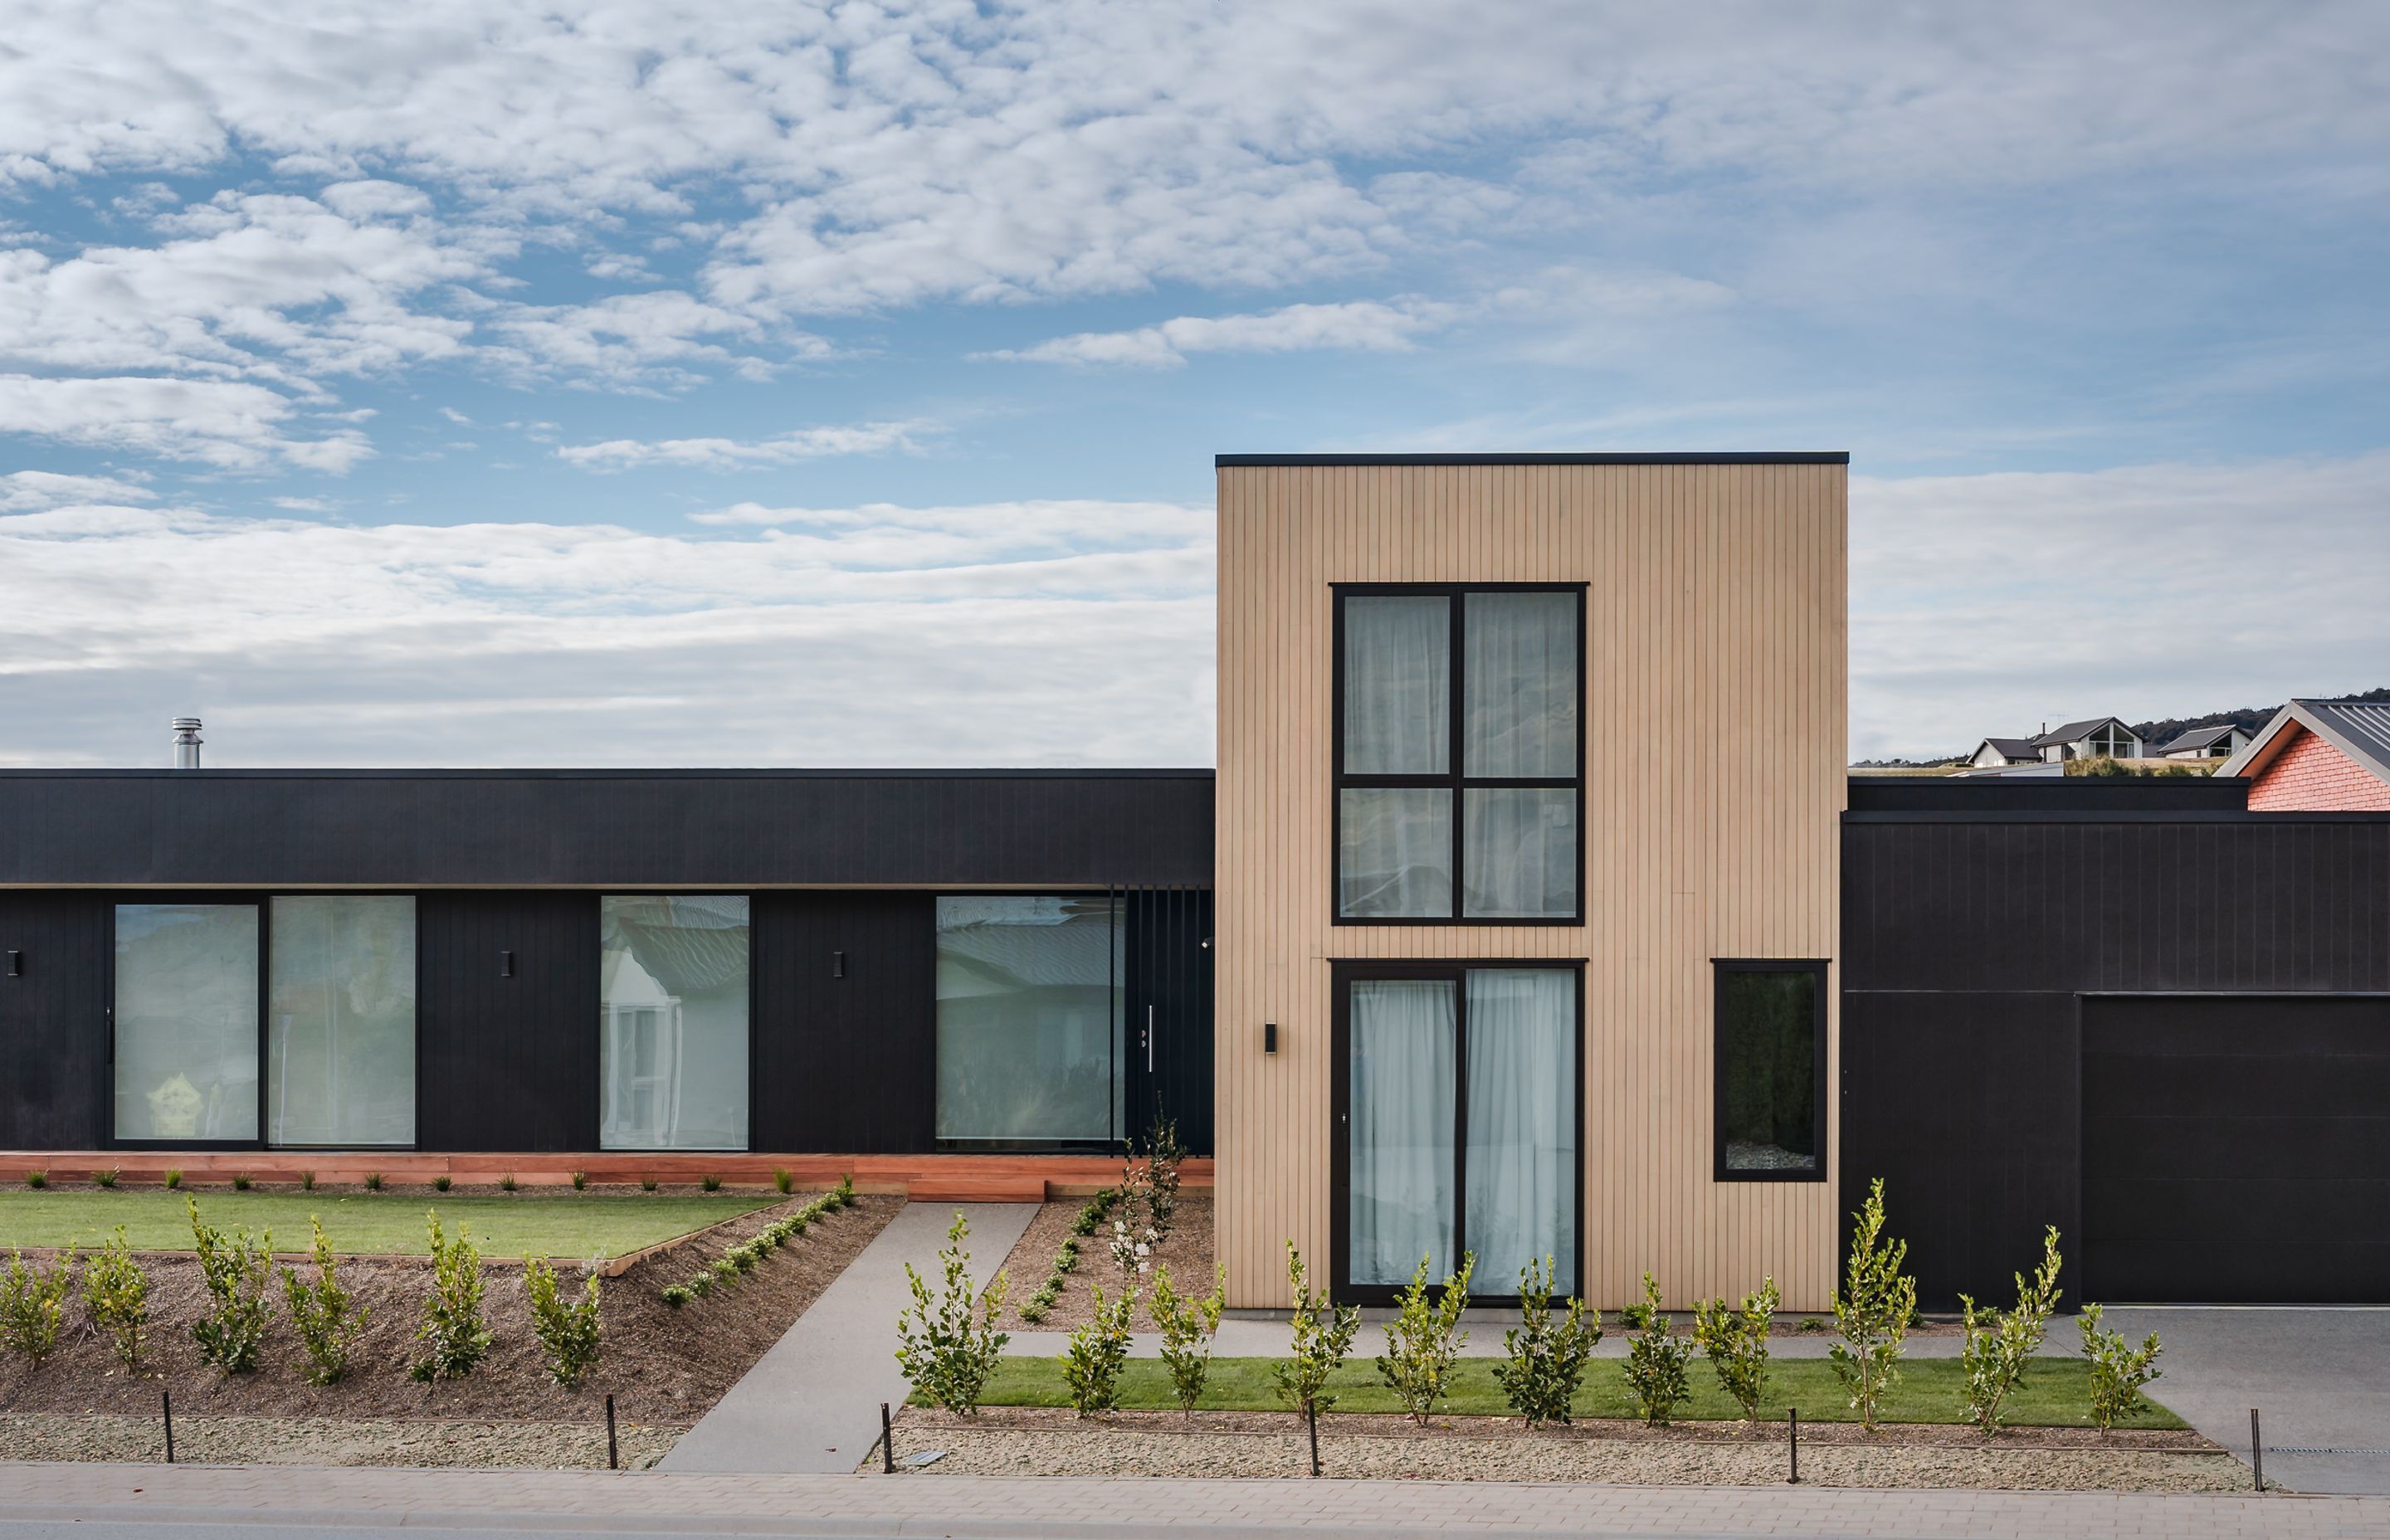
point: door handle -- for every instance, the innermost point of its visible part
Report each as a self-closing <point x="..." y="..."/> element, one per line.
<point x="1148" y="1040"/>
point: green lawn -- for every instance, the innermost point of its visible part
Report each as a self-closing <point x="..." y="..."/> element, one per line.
<point x="2055" y="1394"/>
<point x="554" y="1224"/>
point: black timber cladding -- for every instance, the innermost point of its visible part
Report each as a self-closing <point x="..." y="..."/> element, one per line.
<point x="54" y="1074"/>
<point x="1794" y="457"/>
<point x="1978" y="934"/>
<point x="506" y="1062"/>
<point x="651" y="829"/>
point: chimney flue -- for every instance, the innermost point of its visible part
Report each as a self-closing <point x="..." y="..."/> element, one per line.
<point x="186" y="744"/>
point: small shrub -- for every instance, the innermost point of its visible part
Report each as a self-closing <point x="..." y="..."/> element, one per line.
<point x="710" y="1182"/>
<point x="567" y="1328"/>
<point x="2000" y="1344"/>
<point x="116" y="1296"/>
<point x="1038" y="1304"/>
<point x="946" y="1355"/>
<point x="452" y="1331"/>
<point x="173" y="1176"/>
<point x="1545" y="1359"/>
<point x="1162" y="1155"/>
<point x="580" y="1180"/>
<point x="1092" y="1365"/>
<point x="1736" y="1342"/>
<point x="307" y="1181"/>
<point x="783" y="1180"/>
<point x="1098" y="1208"/>
<point x="1633" y="1316"/>
<point x="1655" y="1362"/>
<point x="1873" y="1311"/>
<point x="701" y="1285"/>
<point x="236" y="1267"/>
<point x="31" y="1302"/>
<point x="507" y="1182"/>
<point x="1424" y="1339"/>
<point x="1188" y="1324"/>
<point x="328" y="1321"/>
<point x="105" y="1178"/>
<point x="674" y="1295"/>
<point x="647" y="1184"/>
<point x="2118" y="1370"/>
<point x="842" y="1195"/>
<point x="442" y="1182"/>
<point x="1132" y="1253"/>
<point x="241" y="1181"/>
<point x="37" y="1180"/>
<point x="1320" y="1344"/>
<point x="1811" y="1325"/>
<point x="725" y="1270"/>
<point x="373" y="1181"/>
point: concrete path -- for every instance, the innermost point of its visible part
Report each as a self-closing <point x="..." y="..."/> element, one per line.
<point x="159" y="1502"/>
<point x="812" y="1403"/>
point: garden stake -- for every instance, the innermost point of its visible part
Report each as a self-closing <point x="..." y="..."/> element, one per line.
<point x="2256" y="1451"/>
<point x="613" y="1460"/>
<point x="166" y="1402"/>
<point x="1313" y="1409"/>
<point x="887" y="1442"/>
<point x="1793" y="1419"/>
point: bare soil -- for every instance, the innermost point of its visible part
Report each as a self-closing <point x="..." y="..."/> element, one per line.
<point x="1186" y="1252"/>
<point x="663" y="1366"/>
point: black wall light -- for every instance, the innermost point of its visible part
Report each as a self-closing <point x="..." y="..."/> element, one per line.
<point x="838" y="965"/>
<point x="1269" y="1037"/>
<point x="506" y="965"/>
<point x="15" y="963"/>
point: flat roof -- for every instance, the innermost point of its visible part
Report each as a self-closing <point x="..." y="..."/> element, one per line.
<point x="1784" y="456"/>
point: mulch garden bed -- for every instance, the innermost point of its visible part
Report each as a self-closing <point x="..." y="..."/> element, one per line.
<point x="1186" y="1252"/>
<point x="665" y="1368"/>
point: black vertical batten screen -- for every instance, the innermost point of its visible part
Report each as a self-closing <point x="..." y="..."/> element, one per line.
<point x="506" y="1063"/>
<point x="845" y="1065"/>
<point x="1170" y="987"/>
<point x="54" y="1073"/>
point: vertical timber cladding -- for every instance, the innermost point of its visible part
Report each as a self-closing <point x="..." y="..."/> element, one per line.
<point x="1714" y="698"/>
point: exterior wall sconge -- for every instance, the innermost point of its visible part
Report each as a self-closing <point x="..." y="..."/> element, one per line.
<point x="838" y="965"/>
<point x="1269" y="1037"/>
<point x="506" y="965"/>
<point x="15" y="963"/>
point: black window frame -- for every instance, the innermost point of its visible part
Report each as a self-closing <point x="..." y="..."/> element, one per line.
<point x="1456" y="778"/>
<point x="1343" y="973"/>
<point x="1721" y="968"/>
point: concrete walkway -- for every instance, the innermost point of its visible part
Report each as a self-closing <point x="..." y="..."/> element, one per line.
<point x="168" y="1501"/>
<point x="812" y="1403"/>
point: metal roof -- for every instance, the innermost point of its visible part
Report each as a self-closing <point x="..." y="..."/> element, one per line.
<point x="2014" y="747"/>
<point x="2201" y="738"/>
<point x="2073" y="731"/>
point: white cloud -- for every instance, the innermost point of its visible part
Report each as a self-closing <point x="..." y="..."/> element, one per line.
<point x="304" y="505"/>
<point x="1363" y="324"/>
<point x="227" y="424"/>
<point x="629" y="338"/>
<point x="25" y="489"/>
<point x="803" y="444"/>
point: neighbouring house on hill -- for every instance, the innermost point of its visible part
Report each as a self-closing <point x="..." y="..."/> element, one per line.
<point x="1996" y="753"/>
<point x="2090" y="740"/>
<point x="2218" y="742"/>
<point x="2319" y="756"/>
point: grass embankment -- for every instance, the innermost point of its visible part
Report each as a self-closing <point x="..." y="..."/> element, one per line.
<point x="2055" y="1394"/>
<point x="566" y="1223"/>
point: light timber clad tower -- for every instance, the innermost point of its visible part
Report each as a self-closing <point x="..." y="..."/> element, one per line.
<point x="1530" y="775"/>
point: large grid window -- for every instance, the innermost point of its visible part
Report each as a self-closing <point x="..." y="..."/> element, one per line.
<point x="1032" y="1019"/>
<point x="1771" y="1072"/>
<point x="1460" y="777"/>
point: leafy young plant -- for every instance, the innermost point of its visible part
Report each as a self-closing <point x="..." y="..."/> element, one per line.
<point x="1736" y="1344"/>
<point x="507" y="1182"/>
<point x="1655" y="1362"/>
<point x="1545" y="1359"/>
<point x="454" y="1336"/>
<point x="116" y="1297"/>
<point x="709" y="1182"/>
<point x="567" y="1328"/>
<point x="2118" y="1370"/>
<point x="945" y="1352"/>
<point x="373" y="1181"/>
<point x="31" y="1302"/>
<point x="1160" y="1188"/>
<point x="442" y="1182"/>
<point x="1323" y="1336"/>
<point x="174" y="1178"/>
<point x="783" y="1179"/>
<point x="1424" y="1339"/>
<point x="328" y="1321"/>
<point x="1873" y="1311"/>
<point x="2000" y="1344"/>
<point x="105" y="1178"/>
<point x="307" y="1181"/>
<point x="1188" y="1324"/>
<point x="236" y="1267"/>
<point x="647" y="1184"/>
<point x="37" y="1180"/>
<point x="1091" y="1366"/>
<point x="241" y="1181"/>
<point x="842" y="1195"/>
<point x="580" y="1180"/>
<point x="1132" y="1253"/>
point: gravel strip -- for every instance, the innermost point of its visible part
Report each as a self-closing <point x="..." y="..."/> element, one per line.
<point x="331" y="1440"/>
<point x="1186" y="1252"/>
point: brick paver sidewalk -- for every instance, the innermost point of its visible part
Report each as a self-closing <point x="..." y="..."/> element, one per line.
<point x="965" y="1505"/>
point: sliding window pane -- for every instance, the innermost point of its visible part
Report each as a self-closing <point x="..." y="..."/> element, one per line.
<point x="1521" y="693"/>
<point x="1518" y="854"/>
<point x="1394" y="855"/>
<point x="1032" y="1006"/>
<point x="1523" y="1089"/>
<point x="672" y="1039"/>
<point x="1402" y="1129"/>
<point x="1768" y="1068"/>
<point x="187" y="1021"/>
<point x="1397" y="685"/>
<point x="339" y="1050"/>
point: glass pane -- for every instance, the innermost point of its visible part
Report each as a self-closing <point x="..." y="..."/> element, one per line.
<point x="1522" y="1167"/>
<point x="1767" y="1047"/>
<point x="1393" y="852"/>
<point x="186" y="1021"/>
<point x="1401" y="1197"/>
<point x="672" y="1011"/>
<point x="1521" y="693"/>
<point x="339" y="1023"/>
<point x="1398" y="685"/>
<point x="1518" y="854"/>
<point x="1031" y="1007"/>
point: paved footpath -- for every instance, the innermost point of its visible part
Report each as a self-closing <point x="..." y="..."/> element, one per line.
<point x="812" y="1403"/>
<point x="136" y="1499"/>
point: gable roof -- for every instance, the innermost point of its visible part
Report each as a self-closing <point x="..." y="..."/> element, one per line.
<point x="2358" y="728"/>
<point x="2074" y="731"/>
<point x="2201" y="738"/>
<point x="2013" y="747"/>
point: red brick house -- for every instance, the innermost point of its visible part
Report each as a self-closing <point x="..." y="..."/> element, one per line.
<point x="2319" y="756"/>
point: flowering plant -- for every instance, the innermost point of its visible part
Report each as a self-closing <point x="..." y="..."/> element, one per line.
<point x="1132" y="1253"/>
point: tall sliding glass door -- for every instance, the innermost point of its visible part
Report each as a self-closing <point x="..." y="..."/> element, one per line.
<point x="1458" y="1110"/>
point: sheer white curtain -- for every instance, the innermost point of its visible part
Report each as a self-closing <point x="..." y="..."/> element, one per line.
<point x="1519" y="849"/>
<point x="1402" y="1198"/>
<point x="1521" y="691"/>
<point x="1397" y="685"/>
<point x="1523" y="1160"/>
<point x="1394" y="851"/>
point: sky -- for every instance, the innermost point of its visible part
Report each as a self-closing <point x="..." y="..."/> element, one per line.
<point x="632" y="383"/>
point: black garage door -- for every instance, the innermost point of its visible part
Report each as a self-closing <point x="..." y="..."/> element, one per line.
<point x="2236" y="1150"/>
